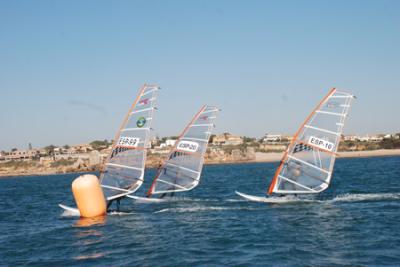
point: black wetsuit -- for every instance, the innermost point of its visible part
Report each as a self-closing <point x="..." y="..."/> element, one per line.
<point x="118" y="201"/>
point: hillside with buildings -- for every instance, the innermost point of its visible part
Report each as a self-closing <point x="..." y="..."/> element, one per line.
<point x="223" y="148"/>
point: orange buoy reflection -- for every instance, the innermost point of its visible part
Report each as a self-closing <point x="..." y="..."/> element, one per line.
<point x="87" y="222"/>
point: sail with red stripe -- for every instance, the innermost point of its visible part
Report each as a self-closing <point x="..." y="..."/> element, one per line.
<point x="182" y="169"/>
<point x="124" y="169"/>
<point x="307" y="165"/>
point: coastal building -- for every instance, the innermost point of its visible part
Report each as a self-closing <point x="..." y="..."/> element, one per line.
<point x="376" y="139"/>
<point x="22" y="154"/>
<point x="370" y="138"/>
<point x="168" y="143"/>
<point x="272" y="138"/>
<point x="227" y="139"/>
<point x="350" y="138"/>
<point x="82" y="148"/>
<point x="287" y="138"/>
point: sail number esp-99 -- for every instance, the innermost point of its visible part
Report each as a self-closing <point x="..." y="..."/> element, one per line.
<point x="127" y="141"/>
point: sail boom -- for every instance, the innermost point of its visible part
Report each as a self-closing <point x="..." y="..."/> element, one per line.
<point x="172" y="184"/>
<point x="114" y="188"/>
<point x="293" y="182"/>
<point x="309" y="164"/>
<point x="183" y="168"/>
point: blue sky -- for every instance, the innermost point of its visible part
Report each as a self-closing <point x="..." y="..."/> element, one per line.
<point x="69" y="70"/>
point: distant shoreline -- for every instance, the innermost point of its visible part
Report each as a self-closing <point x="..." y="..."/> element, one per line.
<point x="260" y="158"/>
<point x="273" y="157"/>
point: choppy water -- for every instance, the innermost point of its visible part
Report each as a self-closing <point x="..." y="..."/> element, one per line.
<point x="354" y="223"/>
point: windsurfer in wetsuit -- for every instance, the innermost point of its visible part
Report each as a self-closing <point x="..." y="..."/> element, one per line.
<point x="118" y="203"/>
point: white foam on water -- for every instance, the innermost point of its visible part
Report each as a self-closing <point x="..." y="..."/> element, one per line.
<point x="68" y="213"/>
<point x="366" y="197"/>
<point x="118" y="213"/>
<point x="235" y="200"/>
<point x="201" y="209"/>
<point x="143" y="200"/>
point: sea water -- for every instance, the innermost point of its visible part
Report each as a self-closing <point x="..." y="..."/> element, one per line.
<point x="356" y="222"/>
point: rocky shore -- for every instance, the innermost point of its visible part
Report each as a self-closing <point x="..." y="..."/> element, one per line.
<point x="153" y="161"/>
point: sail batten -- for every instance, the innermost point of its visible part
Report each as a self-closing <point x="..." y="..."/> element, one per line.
<point x="308" y="162"/>
<point x="124" y="169"/>
<point x="182" y="169"/>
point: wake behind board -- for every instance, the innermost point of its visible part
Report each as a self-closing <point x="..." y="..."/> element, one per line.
<point x="272" y="200"/>
<point x="70" y="211"/>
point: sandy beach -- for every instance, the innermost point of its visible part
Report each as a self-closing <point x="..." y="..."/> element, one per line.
<point x="273" y="157"/>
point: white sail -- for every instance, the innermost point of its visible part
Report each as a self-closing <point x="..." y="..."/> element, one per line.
<point x="308" y="163"/>
<point x="124" y="169"/>
<point x="182" y="169"/>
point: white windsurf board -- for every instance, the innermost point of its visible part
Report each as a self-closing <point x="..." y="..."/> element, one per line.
<point x="146" y="199"/>
<point x="70" y="211"/>
<point x="272" y="200"/>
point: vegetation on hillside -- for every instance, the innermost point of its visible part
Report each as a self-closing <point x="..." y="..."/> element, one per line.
<point x="99" y="145"/>
<point x="62" y="163"/>
<point x="18" y="164"/>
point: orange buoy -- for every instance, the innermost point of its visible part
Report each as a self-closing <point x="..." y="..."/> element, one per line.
<point x="89" y="196"/>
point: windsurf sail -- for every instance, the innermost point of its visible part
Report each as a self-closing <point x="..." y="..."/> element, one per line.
<point x="182" y="169"/>
<point x="307" y="164"/>
<point x="123" y="171"/>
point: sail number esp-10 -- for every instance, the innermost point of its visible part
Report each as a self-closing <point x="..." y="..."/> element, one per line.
<point x="127" y="141"/>
<point x="323" y="144"/>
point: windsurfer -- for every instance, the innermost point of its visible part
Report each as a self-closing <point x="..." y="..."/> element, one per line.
<point x="117" y="201"/>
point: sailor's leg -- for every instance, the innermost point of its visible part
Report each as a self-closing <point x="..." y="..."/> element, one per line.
<point x="118" y="203"/>
<point x="109" y="203"/>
